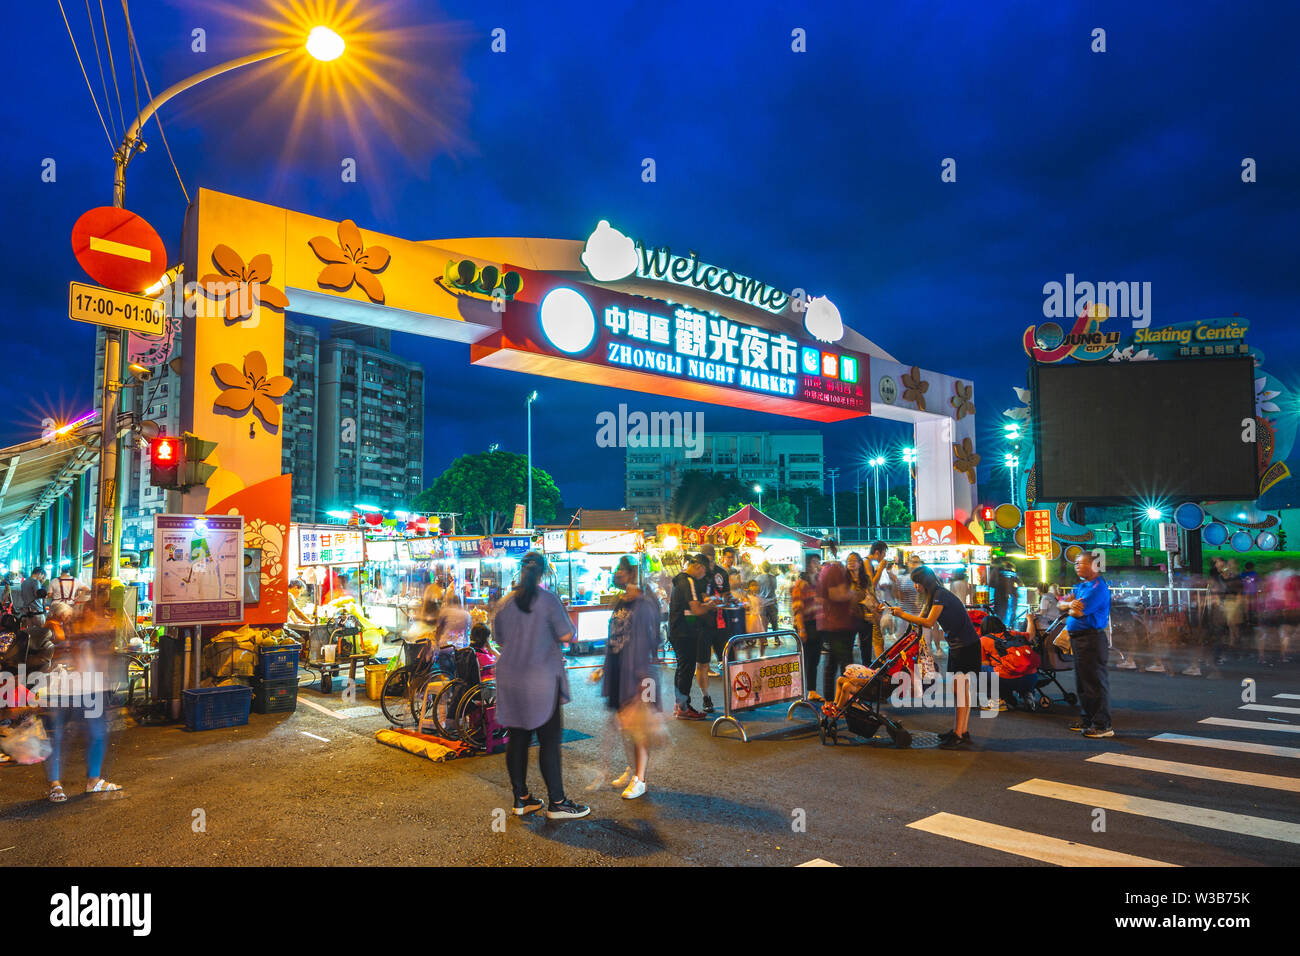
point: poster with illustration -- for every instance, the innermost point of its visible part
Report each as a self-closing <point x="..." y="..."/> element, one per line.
<point x="199" y="576"/>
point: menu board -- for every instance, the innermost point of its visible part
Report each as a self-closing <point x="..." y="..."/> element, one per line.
<point x="381" y="550"/>
<point x="330" y="545"/>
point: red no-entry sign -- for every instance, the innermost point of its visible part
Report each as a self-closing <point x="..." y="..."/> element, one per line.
<point x="118" y="249"/>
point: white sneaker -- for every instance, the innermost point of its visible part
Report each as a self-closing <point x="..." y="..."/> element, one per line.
<point x="634" y="789"/>
<point x="622" y="779"/>
<point x="1127" y="664"/>
<point x="1156" y="668"/>
<point x="1193" y="671"/>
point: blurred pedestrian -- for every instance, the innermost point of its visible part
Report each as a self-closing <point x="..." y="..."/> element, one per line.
<point x="803" y="607"/>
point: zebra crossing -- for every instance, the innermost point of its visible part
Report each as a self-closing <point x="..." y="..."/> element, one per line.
<point x="1264" y="789"/>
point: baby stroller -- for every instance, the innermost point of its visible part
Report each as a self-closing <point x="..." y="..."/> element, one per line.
<point x="466" y="706"/>
<point x="862" y="713"/>
<point x="1053" y="662"/>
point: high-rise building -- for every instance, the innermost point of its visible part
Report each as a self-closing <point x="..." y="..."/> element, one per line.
<point x="778" y="461"/>
<point x="369" y="423"/>
<point x="298" y="418"/>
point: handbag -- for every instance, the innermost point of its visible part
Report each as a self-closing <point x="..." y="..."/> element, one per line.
<point x="26" y="743"/>
<point x="1062" y="641"/>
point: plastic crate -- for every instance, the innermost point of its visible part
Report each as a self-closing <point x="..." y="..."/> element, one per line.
<point x="207" y="708"/>
<point x="275" y="696"/>
<point x="278" y="663"/>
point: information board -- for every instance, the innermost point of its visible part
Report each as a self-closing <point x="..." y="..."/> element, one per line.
<point x="774" y="679"/>
<point x="199" y="577"/>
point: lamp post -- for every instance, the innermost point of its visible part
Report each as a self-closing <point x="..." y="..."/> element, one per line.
<point x="834" y="473"/>
<point x="909" y="459"/>
<point x="323" y="44"/>
<point x="528" y="404"/>
<point x="1011" y="471"/>
<point x="875" y="468"/>
<point x="1013" y="436"/>
<point x="759" y="489"/>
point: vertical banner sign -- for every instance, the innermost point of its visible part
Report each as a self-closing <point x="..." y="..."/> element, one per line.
<point x="521" y="517"/>
<point x="1038" y="533"/>
<point x="199" y="576"/>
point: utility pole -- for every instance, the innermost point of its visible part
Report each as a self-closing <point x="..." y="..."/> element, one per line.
<point x="834" y="473"/>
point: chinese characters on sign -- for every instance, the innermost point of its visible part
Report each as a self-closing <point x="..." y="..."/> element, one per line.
<point x="331" y="544"/>
<point x="1038" y="533"/>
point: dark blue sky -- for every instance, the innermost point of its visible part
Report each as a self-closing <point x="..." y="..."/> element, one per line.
<point x="818" y="170"/>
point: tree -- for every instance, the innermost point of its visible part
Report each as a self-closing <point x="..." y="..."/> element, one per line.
<point x="485" y="488"/>
<point x="783" y="510"/>
<point x="701" y="497"/>
<point x="896" y="514"/>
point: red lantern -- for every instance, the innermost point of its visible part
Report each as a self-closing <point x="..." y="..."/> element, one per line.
<point x="374" y="519"/>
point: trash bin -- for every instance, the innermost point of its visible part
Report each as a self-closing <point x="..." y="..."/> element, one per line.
<point x="376" y="674"/>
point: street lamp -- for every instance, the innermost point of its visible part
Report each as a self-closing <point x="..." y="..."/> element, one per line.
<point x="321" y="43"/>
<point x="1011" y="461"/>
<point x="875" y="464"/>
<point x="528" y="404"/>
<point x="909" y="459"/>
<point x="759" y="489"/>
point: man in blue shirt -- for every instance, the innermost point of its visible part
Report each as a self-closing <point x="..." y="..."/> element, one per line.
<point x="1089" y="617"/>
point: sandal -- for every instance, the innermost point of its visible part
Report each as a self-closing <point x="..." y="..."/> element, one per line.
<point x="57" y="795"/>
<point x="104" y="787"/>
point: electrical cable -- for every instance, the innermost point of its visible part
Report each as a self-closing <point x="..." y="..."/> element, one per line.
<point x="102" y="81"/>
<point x="135" y="47"/>
<point x="112" y="66"/>
<point x="107" y="135"/>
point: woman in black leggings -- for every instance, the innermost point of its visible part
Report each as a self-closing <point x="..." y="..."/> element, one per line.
<point x="531" y="626"/>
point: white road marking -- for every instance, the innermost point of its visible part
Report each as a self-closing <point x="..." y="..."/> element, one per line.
<point x="1034" y="846"/>
<point x="1287" y="696"/>
<point x="1241" y="746"/>
<point x="819" y="862"/>
<point x="1244" y="777"/>
<point x="323" y="740"/>
<point x="1270" y="708"/>
<point x="1252" y="724"/>
<point x="322" y="709"/>
<point x="119" y="249"/>
<point x="1164" y="810"/>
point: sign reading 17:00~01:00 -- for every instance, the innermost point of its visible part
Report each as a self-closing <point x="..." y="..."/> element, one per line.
<point x="116" y="310"/>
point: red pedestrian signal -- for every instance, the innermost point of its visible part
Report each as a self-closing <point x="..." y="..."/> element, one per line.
<point x="986" y="517"/>
<point x="165" y="462"/>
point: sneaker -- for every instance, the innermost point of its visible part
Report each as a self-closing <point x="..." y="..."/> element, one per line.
<point x="1099" y="732"/>
<point x="687" y="713"/>
<point x="1193" y="671"/>
<point x="999" y="705"/>
<point x="568" y="810"/>
<point x="526" y="805"/>
<point x="1126" y="665"/>
<point x="634" y="789"/>
<point x="708" y="704"/>
<point x="948" y="736"/>
<point x="1080" y="726"/>
<point x="623" y="779"/>
<point x="958" y="743"/>
<point x="1156" y="668"/>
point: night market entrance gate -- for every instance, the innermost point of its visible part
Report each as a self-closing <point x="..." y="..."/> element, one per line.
<point x="608" y="310"/>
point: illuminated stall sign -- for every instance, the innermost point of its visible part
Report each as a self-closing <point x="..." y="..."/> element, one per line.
<point x="510" y="546"/>
<point x="469" y="547"/>
<point x="330" y="545"/>
<point x="648" y="345"/>
<point x="605" y="542"/>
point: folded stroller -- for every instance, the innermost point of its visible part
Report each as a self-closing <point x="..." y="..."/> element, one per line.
<point x="862" y="714"/>
<point x="1052" y="663"/>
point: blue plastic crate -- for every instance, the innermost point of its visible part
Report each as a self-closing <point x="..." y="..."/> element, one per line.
<point x="207" y="708"/>
<point x="279" y="663"/>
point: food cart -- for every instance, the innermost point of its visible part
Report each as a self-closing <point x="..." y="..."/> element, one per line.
<point x="581" y="558"/>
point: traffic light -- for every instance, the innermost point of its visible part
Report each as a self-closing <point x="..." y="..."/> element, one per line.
<point x="165" y="460"/>
<point x="195" y="472"/>
<point x="986" y="517"/>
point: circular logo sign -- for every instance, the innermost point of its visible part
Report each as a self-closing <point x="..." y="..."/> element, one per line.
<point x="1048" y="336"/>
<point x="567" y="320"/>
<point x="118" y="249"/>
<point x="888" y="390"/>
<point x="741" y="686"/>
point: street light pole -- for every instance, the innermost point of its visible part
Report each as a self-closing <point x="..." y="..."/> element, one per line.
<point x="532" y="397"/>
<point x="834" y="473"/>
<point x="108" y="502"/>
<point x="759" y="489"/>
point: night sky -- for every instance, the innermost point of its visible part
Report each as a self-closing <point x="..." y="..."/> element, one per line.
<point x="818" y="170"/>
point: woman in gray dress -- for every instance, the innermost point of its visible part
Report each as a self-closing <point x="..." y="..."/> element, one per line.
<point x="531" y="625"/>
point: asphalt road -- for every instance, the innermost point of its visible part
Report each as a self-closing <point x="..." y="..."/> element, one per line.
<point x="271" y="794"/>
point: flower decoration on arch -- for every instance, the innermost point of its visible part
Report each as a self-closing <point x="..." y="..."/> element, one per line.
<point x="251" y="389"/>
<point x="349" y="261"/>
<point x="915" y="387"/>
<point x="964" y="458"/>
<point x="238" y="286"/>
<point x="963" y="398"/>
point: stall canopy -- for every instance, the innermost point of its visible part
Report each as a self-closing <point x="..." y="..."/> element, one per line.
<point x="767" y="526"/>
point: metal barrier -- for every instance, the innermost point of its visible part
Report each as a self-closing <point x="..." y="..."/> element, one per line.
<point x="745" y="680"/>
<point x="1164" y="597"/>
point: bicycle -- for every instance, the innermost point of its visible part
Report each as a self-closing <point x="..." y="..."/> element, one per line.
<point x="402" y="697"/>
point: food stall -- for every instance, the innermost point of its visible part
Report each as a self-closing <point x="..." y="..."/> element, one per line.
<point x="950" y="546"/>
<point x="581" y="558"/>
<point x="488" y="567"/>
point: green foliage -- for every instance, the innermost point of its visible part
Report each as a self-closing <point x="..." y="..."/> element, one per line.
<point x="896" y="514"/>
<point x="783" y="510"/>
<point x="485" y="488"/>
<point x="702" y="498"/>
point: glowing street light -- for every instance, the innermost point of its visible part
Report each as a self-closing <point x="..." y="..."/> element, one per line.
<point x="759" y="489"/>
<point x="909" y="459"/>
<point x="1154" y="514"/>
<point x="324" y="44"/>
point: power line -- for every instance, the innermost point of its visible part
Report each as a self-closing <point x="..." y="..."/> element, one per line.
<point x="91" y="89"/>
<point x="135" y="48"/>
<point x="102" y="82"/>
<point x="112" y="66"/>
